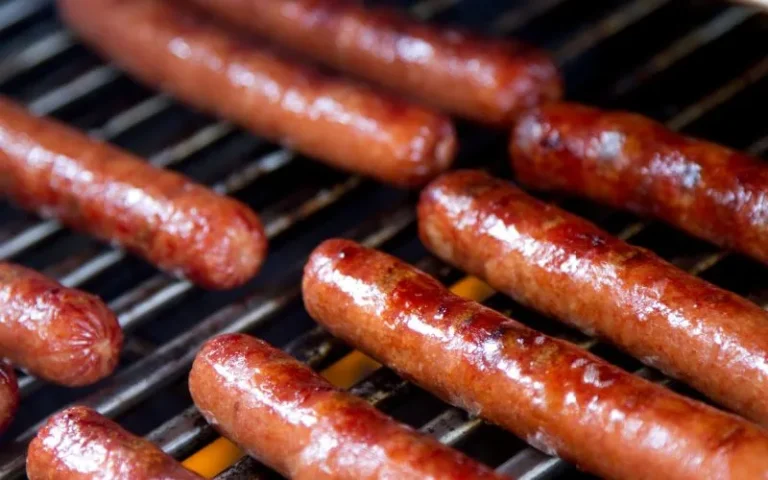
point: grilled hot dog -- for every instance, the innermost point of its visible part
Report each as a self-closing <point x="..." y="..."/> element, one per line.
<point x="559" y="397"/>
<point x="213" y="68"/>
<point x="488" y="80"/>
<point x="9" y="395"/>
<point x="568" y="268"/>
<point x="630" y="162"/>
<point x="292" y="419"/>
<point x="179" y="226"/>
<point x="80" y="444"/>
<point x="59" y="334"/>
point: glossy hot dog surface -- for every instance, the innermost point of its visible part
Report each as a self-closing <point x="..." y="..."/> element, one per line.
<point x="80" y="444"/>
<point x="288" y="416"/>
<point x="488" y="80"/>
<point x="634" y="163"/>
<point x="59" y="334"/>
<point x="168" y="45"/>
<point x="9" y="395"/>
<point x="178" y="225"/>
<point x="558" y="397"/>
<point x="568" y="268"/>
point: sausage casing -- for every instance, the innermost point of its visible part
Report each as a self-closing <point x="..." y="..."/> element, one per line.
<point x="293" y="420"/>
<point x="631" y="162"/>
<point x="570" y="269"/>
<point x="555" y="395"/>
<point x="211" y="67"/>
<point x="181" y="227"/>
<point x="488" y="80"/>
<point x="59" y="334"/>
<point x="80" y="444"/>
<point x="9" y="395"/>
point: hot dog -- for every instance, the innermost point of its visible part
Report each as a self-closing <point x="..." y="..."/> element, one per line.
<point x="568" y="268"/>
<point x="59" y="334"/>
<point x="484" y="79"/>
<point x="630" y="162"/>
<point x="179" y="226"/>
<point x="9" y="395"/>
<point x="560" y="398"/>
<point x="213" y="68"/>
<point x="292" y="419"/>
<point x="80" y="444"/>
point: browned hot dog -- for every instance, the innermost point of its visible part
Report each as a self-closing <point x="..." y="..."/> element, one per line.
<point x="179" y="226"/>
<point x="555" y="395"/>
<point x="293" y="420"/>
<point x="59" y="334"/>
<point x="488" y="80"/>
<point x="213" y="68"/>
<point x="631" y="162"/>
<point x="9" y="395"/>
<point x="80" y="444"/>
<point x="568" y="268"/>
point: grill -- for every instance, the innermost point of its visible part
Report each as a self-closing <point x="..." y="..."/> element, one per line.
<point x="696" y="65"/>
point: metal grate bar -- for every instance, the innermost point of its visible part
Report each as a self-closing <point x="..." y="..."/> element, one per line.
<point x="17" y="11"/>
<point x="35" y="54"/>
<point x="614" y="23"/>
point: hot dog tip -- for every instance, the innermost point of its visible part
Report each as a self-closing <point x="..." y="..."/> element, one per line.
<point x="62" y="335"/>
<point x="78" y="443"/>
<point x="9" y="395"/>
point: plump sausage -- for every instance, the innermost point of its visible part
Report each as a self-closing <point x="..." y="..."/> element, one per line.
<point x="558" y="397"/>
<point x="488" y="80"/>
<point x="213" y="68"/>
<point x="630" y="162"/>
<point x="9" y="395"/>
<point x="80" y="444"/>
<point x="292" y="419"/>
<point x="179" y="226"/>
<point x="568" y="268"/>
<point x="59" y="334"/>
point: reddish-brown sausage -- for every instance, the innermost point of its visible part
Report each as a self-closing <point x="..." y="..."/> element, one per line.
<point x="555" y="395"/>
<point x="292" y="419"/>
<point x="488" y="80"/>
<point x="630" y="162"/>
<point x="59" y="334"/>
<point x="9" y="395"/>
<point x="80" y="444"/>
<point x="568" y="268"/>
<point x="179" y="226"/>
<point x="217" y="70"/>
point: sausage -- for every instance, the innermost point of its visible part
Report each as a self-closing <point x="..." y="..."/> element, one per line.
<point x="292" y="419"/>
<point x="9" y="395"/>
<point x="348" y="126"/>
<point x="487" y="80"/>
<point x="633" y="163"/>
<point x="558" y="397"/>
<point x="568" y="268"/>
<point x="59" y="334"/>
<point x="181" y="227"/>
<point x="80" y="444"/>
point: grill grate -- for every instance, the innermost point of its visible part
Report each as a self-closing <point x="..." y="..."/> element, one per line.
<point x="695" y="64"/>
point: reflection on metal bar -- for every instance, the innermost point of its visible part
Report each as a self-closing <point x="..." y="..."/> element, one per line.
<point x="614" y="23"/>
<point x="35" y="54"/>
<point x="17" y="11"/>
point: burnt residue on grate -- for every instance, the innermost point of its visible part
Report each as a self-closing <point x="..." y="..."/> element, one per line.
<point x="697" y="65"/>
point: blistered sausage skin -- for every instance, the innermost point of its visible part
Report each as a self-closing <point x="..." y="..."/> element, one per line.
<point x="555" y="395"/>
<point x="179" y="226"/>
<point x="212" y="67"/>
<point x="59" y="334"/>
<point x="9" y="395"/>
<point x="292" y="419"/>
<point x="568" y="268"/>
<point x="80" y="444"/>
<point x="633" y="163"/>
<point x="488" y="80"/>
